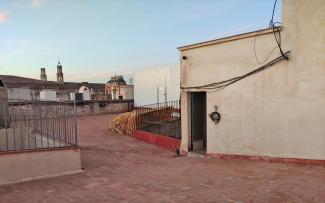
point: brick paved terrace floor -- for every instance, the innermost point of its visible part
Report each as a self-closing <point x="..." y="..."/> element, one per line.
<point x="118" y="168"/>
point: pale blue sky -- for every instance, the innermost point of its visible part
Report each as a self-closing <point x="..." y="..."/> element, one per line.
<point x="96" y="37"/>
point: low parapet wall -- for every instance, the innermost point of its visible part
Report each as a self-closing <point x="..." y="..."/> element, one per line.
<point x="29" y="165"/>
<point x="104" y="107"/>
<point x="91" y="107"/>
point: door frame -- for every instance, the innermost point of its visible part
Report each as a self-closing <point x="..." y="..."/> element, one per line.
<point x="204" y="132"/>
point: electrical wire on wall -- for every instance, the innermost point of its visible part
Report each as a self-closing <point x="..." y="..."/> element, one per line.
<point x="276" y="31"/>
<point x="267" y="57"/>
<point x="223" y="84"/>
<point x="277" y="36"/>
<point x="212" y="87"/>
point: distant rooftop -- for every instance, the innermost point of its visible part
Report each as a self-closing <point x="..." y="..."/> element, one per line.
<point x="11" y="81"/>
<point x="118" y="79"/>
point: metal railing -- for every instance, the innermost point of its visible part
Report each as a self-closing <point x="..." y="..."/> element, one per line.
<point x="31" y="125"/>
<point x="162" y="118"/>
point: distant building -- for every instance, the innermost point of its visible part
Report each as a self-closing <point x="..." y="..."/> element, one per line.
<point x="29" y="89"/>
<point x="149" y="85"/>
<point x="86" y="92"/>
<point x="117" y="88"/>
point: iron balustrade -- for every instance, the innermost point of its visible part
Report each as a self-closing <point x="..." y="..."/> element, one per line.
<point x="32" y="125"/>
<point x="161" y="118"/>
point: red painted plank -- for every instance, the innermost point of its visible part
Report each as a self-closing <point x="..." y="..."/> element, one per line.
<point x="162" y="141"/>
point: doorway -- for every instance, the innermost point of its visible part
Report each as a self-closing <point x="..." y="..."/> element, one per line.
<point x="198" y="122"/>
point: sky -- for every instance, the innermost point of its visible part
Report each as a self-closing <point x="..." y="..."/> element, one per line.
<point x="97" y="38"/>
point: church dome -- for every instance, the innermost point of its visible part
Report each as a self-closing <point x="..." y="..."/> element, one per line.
<point x="117" y="80"/>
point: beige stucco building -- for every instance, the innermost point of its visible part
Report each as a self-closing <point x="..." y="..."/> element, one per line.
<point x="278" y="112"/>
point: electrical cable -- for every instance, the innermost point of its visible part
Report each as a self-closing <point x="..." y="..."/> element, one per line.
<point x="277" y="36"/>
<point x="271" y="21"/>
<point x="276" y="30"/>
<point x="267" y="57"/>
<point x="284" y="55"/>
<point x="223" y="84"/>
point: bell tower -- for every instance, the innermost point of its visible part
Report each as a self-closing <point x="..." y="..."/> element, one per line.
<point x="43" y="74"/>
<point x="59" y="73"/>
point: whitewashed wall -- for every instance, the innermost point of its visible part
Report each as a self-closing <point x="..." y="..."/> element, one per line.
<point x="278" y="112"/>
<point x="21" y="93"/>
<point x="48" y="95"/>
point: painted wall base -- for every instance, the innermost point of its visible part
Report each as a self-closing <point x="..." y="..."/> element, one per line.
<point x="159" y="140"/>
<point x="268" y="159"/>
